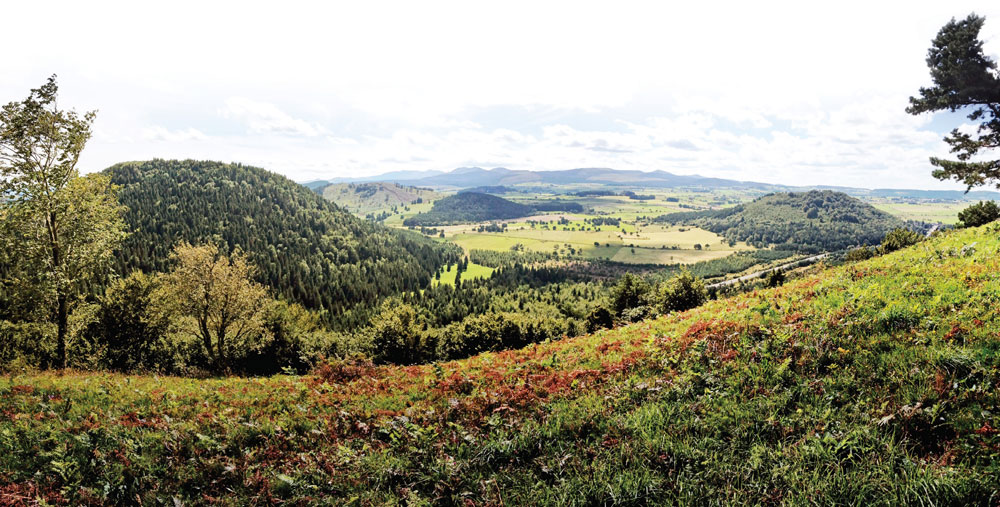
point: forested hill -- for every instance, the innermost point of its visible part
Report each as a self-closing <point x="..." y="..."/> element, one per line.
<point x="805" y="221"/>
<point x="478" y="207"/>
<point x="307" y="249"/>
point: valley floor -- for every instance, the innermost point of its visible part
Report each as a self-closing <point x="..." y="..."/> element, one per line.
<point x="875" y="383"/>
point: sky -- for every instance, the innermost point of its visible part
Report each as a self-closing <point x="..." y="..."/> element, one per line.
<point x="798" y="93"/>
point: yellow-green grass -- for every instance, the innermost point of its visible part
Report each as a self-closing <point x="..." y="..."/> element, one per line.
<point x="653" y="244"/>
<point x="397" y="219"/>
<point x="629" y="255"/>
<point x="471" y="272"/>
<point x="944" y="212"/>
<point x="655" y="236"/>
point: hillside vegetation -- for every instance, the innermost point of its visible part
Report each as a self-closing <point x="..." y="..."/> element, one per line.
<point x="307" y="250"/>
<point x="469" y="207"/>
<point x="875" y="383"/>
<point x="363" y="198"/>
<point x="811" y="221"/>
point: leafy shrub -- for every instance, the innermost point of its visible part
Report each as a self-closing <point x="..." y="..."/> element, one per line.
<point x="128" y="333"/>
<point x="899" y="238"/>
<point x="859" y="254"/>
<point x="774" y="278"/>
<point x="680" y="293"/>
<point x="599" y="318"/>
<point x="26" y="346"/>
<point x="638" y="313"/>
<point x="396" y="334"/>
<point x="980" y="213"/>
<point x="293" y="339"/>
<point x="630" y="292"/>
<point x="495" y="331"/>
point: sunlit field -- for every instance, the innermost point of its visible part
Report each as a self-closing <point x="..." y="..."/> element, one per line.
<point x="472" y="271"/>
<point x="944" y="212"/>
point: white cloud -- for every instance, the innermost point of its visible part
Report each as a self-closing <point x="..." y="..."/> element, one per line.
<point x="157" y="133"/>
<point x="783" y="91"/>
<point x="266" y="118"/>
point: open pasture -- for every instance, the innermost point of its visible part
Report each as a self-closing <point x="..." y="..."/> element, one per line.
<point x="653" y="244"/>
<point x="472" y="271"/>
<point x="944" y="212"/>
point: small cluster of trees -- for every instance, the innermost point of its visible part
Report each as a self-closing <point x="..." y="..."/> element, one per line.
<point x="599" y="221"/>
<point x="980" y="213"/>
<point x="205" y="314"/>
<point x="634" y="298"/>
<point x="400" y="335"/>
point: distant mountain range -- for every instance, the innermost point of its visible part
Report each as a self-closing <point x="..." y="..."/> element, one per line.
<point x="466" y="177"/>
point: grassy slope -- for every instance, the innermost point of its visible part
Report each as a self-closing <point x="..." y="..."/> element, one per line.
<point x="874" y="383"/>
<point x="362" y="198"/>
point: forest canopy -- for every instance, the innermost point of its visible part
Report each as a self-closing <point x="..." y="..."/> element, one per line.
<point x="308" y="250"/>
<point x="811" y="221"/>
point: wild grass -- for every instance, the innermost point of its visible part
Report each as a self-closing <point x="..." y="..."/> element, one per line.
<point x="876" y="383"/>
<point x="471" y="272"/>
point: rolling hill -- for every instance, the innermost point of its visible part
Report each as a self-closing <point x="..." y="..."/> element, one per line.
<point x="307" y="249"/>
<point x="364" y="198"/>
<point x="876" y="383"/>
<point x="465" y="207"/>
<point x="811" y="221"/>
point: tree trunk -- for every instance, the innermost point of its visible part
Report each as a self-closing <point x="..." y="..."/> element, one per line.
<point x="62" y="319"/>
<point x="223" y="366"/>
<point x="206" y="338"/>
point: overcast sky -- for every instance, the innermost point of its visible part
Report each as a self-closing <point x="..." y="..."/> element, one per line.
<point x="797" y="93"/>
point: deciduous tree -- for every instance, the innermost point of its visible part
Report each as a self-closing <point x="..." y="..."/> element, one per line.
<point x="682" y="292"/>
<point x="213" y="298"/>
<point x="57" y="229"/>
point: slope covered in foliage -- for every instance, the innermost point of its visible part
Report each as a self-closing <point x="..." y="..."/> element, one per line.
<point x="362" y="198"/>
<point x="811" y="221"/>
<point x="307" y="249"/>
<point x="876" y="383"/>
<point x="469" y="207"/>
<point x="465" y="207"/>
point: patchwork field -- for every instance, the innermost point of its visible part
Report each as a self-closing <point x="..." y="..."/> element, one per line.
<point x="634" y="239"/>
<point x="638" y="244"/>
